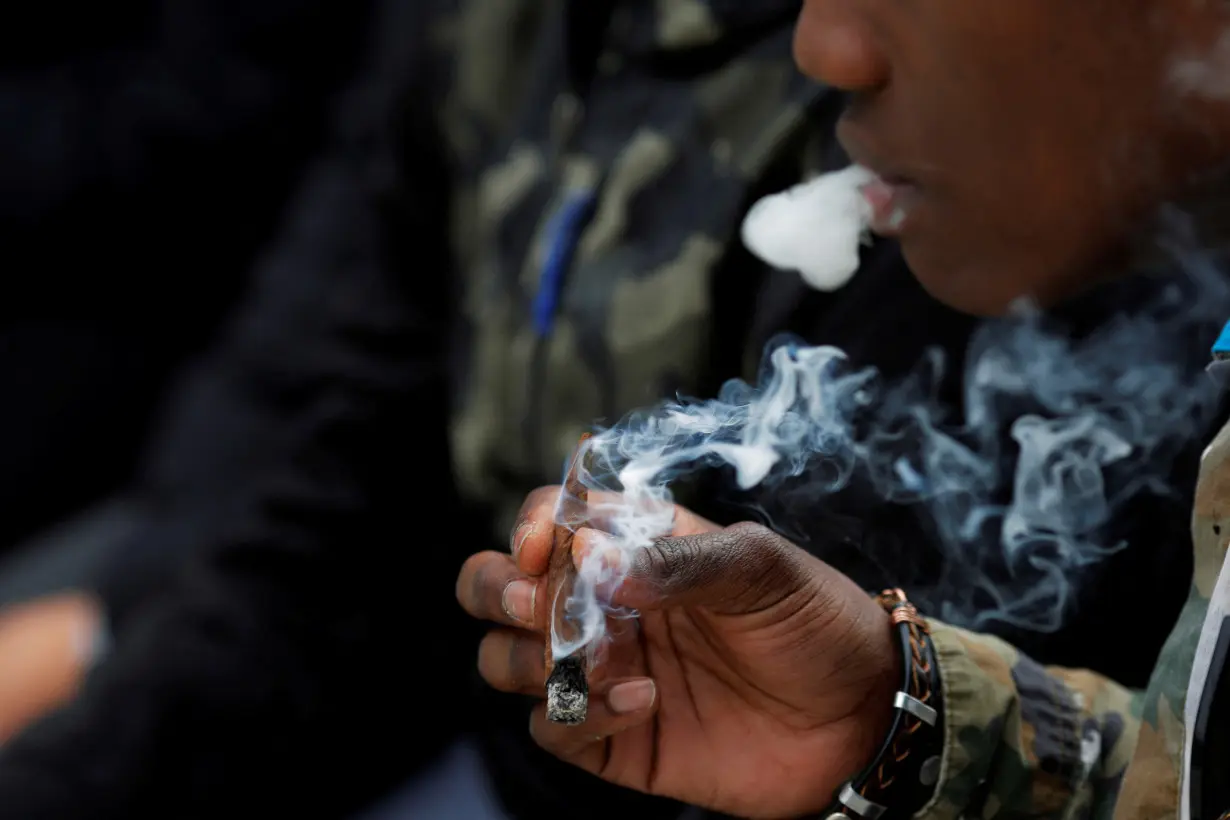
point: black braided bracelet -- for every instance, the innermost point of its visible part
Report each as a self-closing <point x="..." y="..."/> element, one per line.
<point x="902" y="776"/>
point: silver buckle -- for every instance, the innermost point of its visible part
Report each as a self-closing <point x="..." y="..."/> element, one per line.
<point x="860" y="805"/>
<point x="915" y="707"/>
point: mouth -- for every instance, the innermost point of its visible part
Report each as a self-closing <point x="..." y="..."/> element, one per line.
<point x="891" y="195"/>
<point x="891" y="200"/>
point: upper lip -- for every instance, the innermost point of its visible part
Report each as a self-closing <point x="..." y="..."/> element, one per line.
<point x="862" y="151"/>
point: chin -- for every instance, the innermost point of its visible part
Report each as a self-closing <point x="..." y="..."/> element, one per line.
<point x="959" y="284"/>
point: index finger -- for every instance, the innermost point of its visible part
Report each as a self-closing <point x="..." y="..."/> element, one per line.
<point x="534" y="532"/>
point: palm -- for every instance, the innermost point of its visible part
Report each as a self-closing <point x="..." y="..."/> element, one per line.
<point x="719" y="738"/>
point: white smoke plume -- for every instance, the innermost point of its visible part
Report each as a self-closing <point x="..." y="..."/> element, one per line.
<point x="1112" y="408"/>
<point x="783" y="229"/>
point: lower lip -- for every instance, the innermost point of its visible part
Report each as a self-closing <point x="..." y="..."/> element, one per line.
<point x="891" y="204"/>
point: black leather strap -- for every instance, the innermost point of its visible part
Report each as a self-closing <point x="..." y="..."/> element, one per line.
<point x="901" y="778"/>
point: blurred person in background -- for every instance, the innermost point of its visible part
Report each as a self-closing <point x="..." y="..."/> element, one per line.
<point x="526" y="221"/>
<point x="146" y="151"/>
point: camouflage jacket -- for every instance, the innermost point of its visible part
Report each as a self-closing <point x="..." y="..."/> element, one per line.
<point x="601" y="187"/>
<point x="1027" y="741"/>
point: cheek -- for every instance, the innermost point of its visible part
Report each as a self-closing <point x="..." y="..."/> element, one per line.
<point x="1014" y="212"/>
<point x="981" y="249"/>
<point x="1042" y="175"/>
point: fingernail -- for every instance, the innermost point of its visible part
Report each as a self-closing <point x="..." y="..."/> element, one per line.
<point x="633" y="696"/>
<point x="518" y="600"/>
<point x="519" y="535"/>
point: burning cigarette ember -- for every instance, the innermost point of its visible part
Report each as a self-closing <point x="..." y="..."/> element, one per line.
<point x="567" y="687"/>
<point x="815" y="228"/>
<point x="568" y="691"/>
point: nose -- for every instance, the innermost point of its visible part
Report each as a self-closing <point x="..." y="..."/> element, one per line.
<point x="835" y="44"/>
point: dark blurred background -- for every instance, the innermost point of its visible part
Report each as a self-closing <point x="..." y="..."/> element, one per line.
<point x="147" y="149"/>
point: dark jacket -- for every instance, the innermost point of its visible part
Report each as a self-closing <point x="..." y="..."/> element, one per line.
<point x="528" y="222"/>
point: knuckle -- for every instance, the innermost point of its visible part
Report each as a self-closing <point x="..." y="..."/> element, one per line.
<point x="671" y="557"/>
<point x="686" y="562"/>
<point x="749" y="535"/>
<point x="767" y="563"/>
<point x="749" y="542"/>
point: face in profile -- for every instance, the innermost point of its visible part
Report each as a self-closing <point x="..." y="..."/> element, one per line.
<point x="1023" y="145"/>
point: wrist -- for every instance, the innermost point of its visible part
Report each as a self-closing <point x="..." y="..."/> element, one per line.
<point x="906" y="713"/>
<point x="878" y="709"/>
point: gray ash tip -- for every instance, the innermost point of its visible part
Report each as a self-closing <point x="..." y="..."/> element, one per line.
<point x="567" y="692"/>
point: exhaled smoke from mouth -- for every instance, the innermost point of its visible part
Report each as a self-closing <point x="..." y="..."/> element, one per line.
<point x="782" y="229"/>
<point x="1017" y="503"/>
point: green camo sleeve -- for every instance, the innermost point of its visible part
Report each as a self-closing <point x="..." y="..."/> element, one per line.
<point x="1023" y="740"/>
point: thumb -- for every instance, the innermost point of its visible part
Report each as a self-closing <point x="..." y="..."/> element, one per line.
<point x="738" y="570"/>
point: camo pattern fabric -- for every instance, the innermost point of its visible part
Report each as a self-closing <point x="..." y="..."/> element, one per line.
<point x="1024" y="741"/>
<point x="590" y="225"/>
